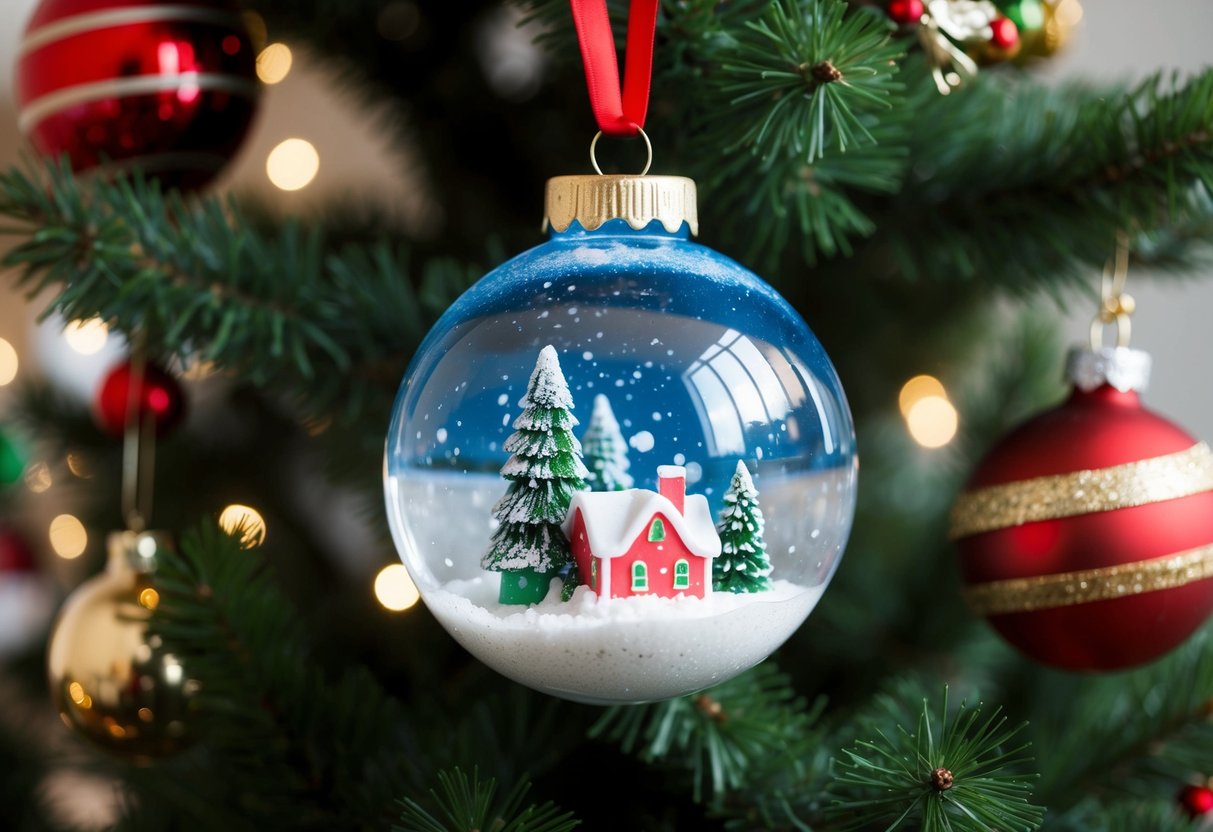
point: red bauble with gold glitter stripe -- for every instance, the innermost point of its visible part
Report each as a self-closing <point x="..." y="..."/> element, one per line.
<point x="169" y="87"/>
<point x="1086" y="535"/>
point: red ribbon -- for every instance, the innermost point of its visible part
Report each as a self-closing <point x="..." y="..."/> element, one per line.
<point x="617" y="115"/>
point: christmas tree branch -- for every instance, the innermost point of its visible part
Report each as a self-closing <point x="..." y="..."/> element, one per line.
<point x="333" y="328"/>
<point x="717" y="736"/>
<point x="468" y="804"/>
<point x="1143" y="734"/>
<point x="1049" y="175"/>
<point x="329" y="754"/>
<point x="802" y="78"/>
<point x="1124" y="816"/>
<point x="953" y="772"/>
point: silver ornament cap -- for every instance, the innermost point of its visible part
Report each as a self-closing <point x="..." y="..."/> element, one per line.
<point x="1120" y="367"/>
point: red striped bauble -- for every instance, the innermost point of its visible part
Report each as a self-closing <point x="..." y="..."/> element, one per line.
<point x="1086" y="535"/>
<point x="169" y="87"/>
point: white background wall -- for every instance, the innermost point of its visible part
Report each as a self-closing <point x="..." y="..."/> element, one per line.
<point x="1118" y="39"/>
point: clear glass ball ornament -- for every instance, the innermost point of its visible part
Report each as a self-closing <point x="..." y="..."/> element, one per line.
<point x="702" y="365"/>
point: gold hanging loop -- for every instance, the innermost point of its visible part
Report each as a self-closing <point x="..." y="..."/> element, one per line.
<point x="1116" y="305"/>
<point x="648" y="146"/>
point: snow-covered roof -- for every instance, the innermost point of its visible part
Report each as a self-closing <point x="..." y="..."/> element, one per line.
<point x="614" y="519"/>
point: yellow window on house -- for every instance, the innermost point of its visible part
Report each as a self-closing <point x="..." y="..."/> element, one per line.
<point x="640" y="577"/>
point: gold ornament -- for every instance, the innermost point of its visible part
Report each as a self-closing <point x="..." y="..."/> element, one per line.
<point x="1061" y="17"/>
<point x="1069" y="588"/>
<point x="108" y="679"/>
<point x="1153" y="480"/>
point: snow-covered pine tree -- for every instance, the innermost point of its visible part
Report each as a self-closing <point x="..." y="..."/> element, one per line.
<point x="544" y="470"/>
<point x="743" y="565"/>
<point x="606" y="451"/>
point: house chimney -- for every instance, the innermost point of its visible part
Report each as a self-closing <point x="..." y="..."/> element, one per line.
<point x="672" y="483"/>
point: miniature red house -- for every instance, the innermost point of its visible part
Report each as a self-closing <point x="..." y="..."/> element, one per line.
<point x="639" y="542"/>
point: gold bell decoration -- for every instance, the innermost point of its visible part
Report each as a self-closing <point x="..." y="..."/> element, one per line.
<point x="111" y="682"/>
<point x="108" y="679"/>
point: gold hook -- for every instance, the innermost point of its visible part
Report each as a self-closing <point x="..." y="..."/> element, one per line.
<point x="647" y="144"/>
<point x="1116" y="306"/>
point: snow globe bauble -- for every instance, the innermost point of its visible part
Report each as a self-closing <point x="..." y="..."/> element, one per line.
<point x="621" y="468"/>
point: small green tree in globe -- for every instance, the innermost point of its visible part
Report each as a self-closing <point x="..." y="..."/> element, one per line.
<point x="743" y="565"/>
<point x="544" y="470"/>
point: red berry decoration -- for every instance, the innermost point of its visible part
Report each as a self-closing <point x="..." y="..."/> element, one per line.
<point x="170" y="87"/>
<point x="1086" y="535"/>
<point x="1197" y="801"/>
<point x="1004" y="34"/>
<point x="906" y="12"/>
<point x="161" y="396"/>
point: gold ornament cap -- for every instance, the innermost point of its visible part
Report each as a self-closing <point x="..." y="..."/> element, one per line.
<point x="638" y="200"/>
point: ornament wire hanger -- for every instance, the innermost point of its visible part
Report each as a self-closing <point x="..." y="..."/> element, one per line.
<point x="138" y="447"/>
<point x="1116" y="305"/>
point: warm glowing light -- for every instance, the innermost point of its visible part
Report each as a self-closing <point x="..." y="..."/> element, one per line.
<point x="86" y="337"/>
<point x="173" y="672"/>
<point x="293" y="164"/>
<point x="68" y="537"/>
<point x="146" y="714"/>
<point x="395" y="589"/>
<point x="149" y="598"/>
<point x="76" y="691"/>
<point x="932" y="421"/>
<point x="8" y="363"/>
<point x="77" y="465"/>
<point x="274" y="63"/>
<point x="246" y="519"/>
<point x="917" y="388"/>
<point x="38" y="478"/>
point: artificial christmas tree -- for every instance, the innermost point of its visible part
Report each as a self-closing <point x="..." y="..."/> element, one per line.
<point x="907" y="227"/>
<point x="605" y="450"/>
<point x="544" y="470"/>
<point x="743" y="565"/>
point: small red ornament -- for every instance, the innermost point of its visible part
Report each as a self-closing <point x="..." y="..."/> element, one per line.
<point x="161" y="396"/>
<point x="15" y="555"/>
<point x="1086" y="535"/>
<point x="1197" y="801"/>
<point x="170" y="87"/>
<point x="1004" y="34"/>
<point x="906" y="12"/>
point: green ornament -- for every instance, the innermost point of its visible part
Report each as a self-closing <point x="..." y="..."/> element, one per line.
<point x="12" y="461"/>
<point x="1027" y="15"/>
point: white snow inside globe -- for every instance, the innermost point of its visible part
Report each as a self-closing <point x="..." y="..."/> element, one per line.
<point x="621" y="468"/>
